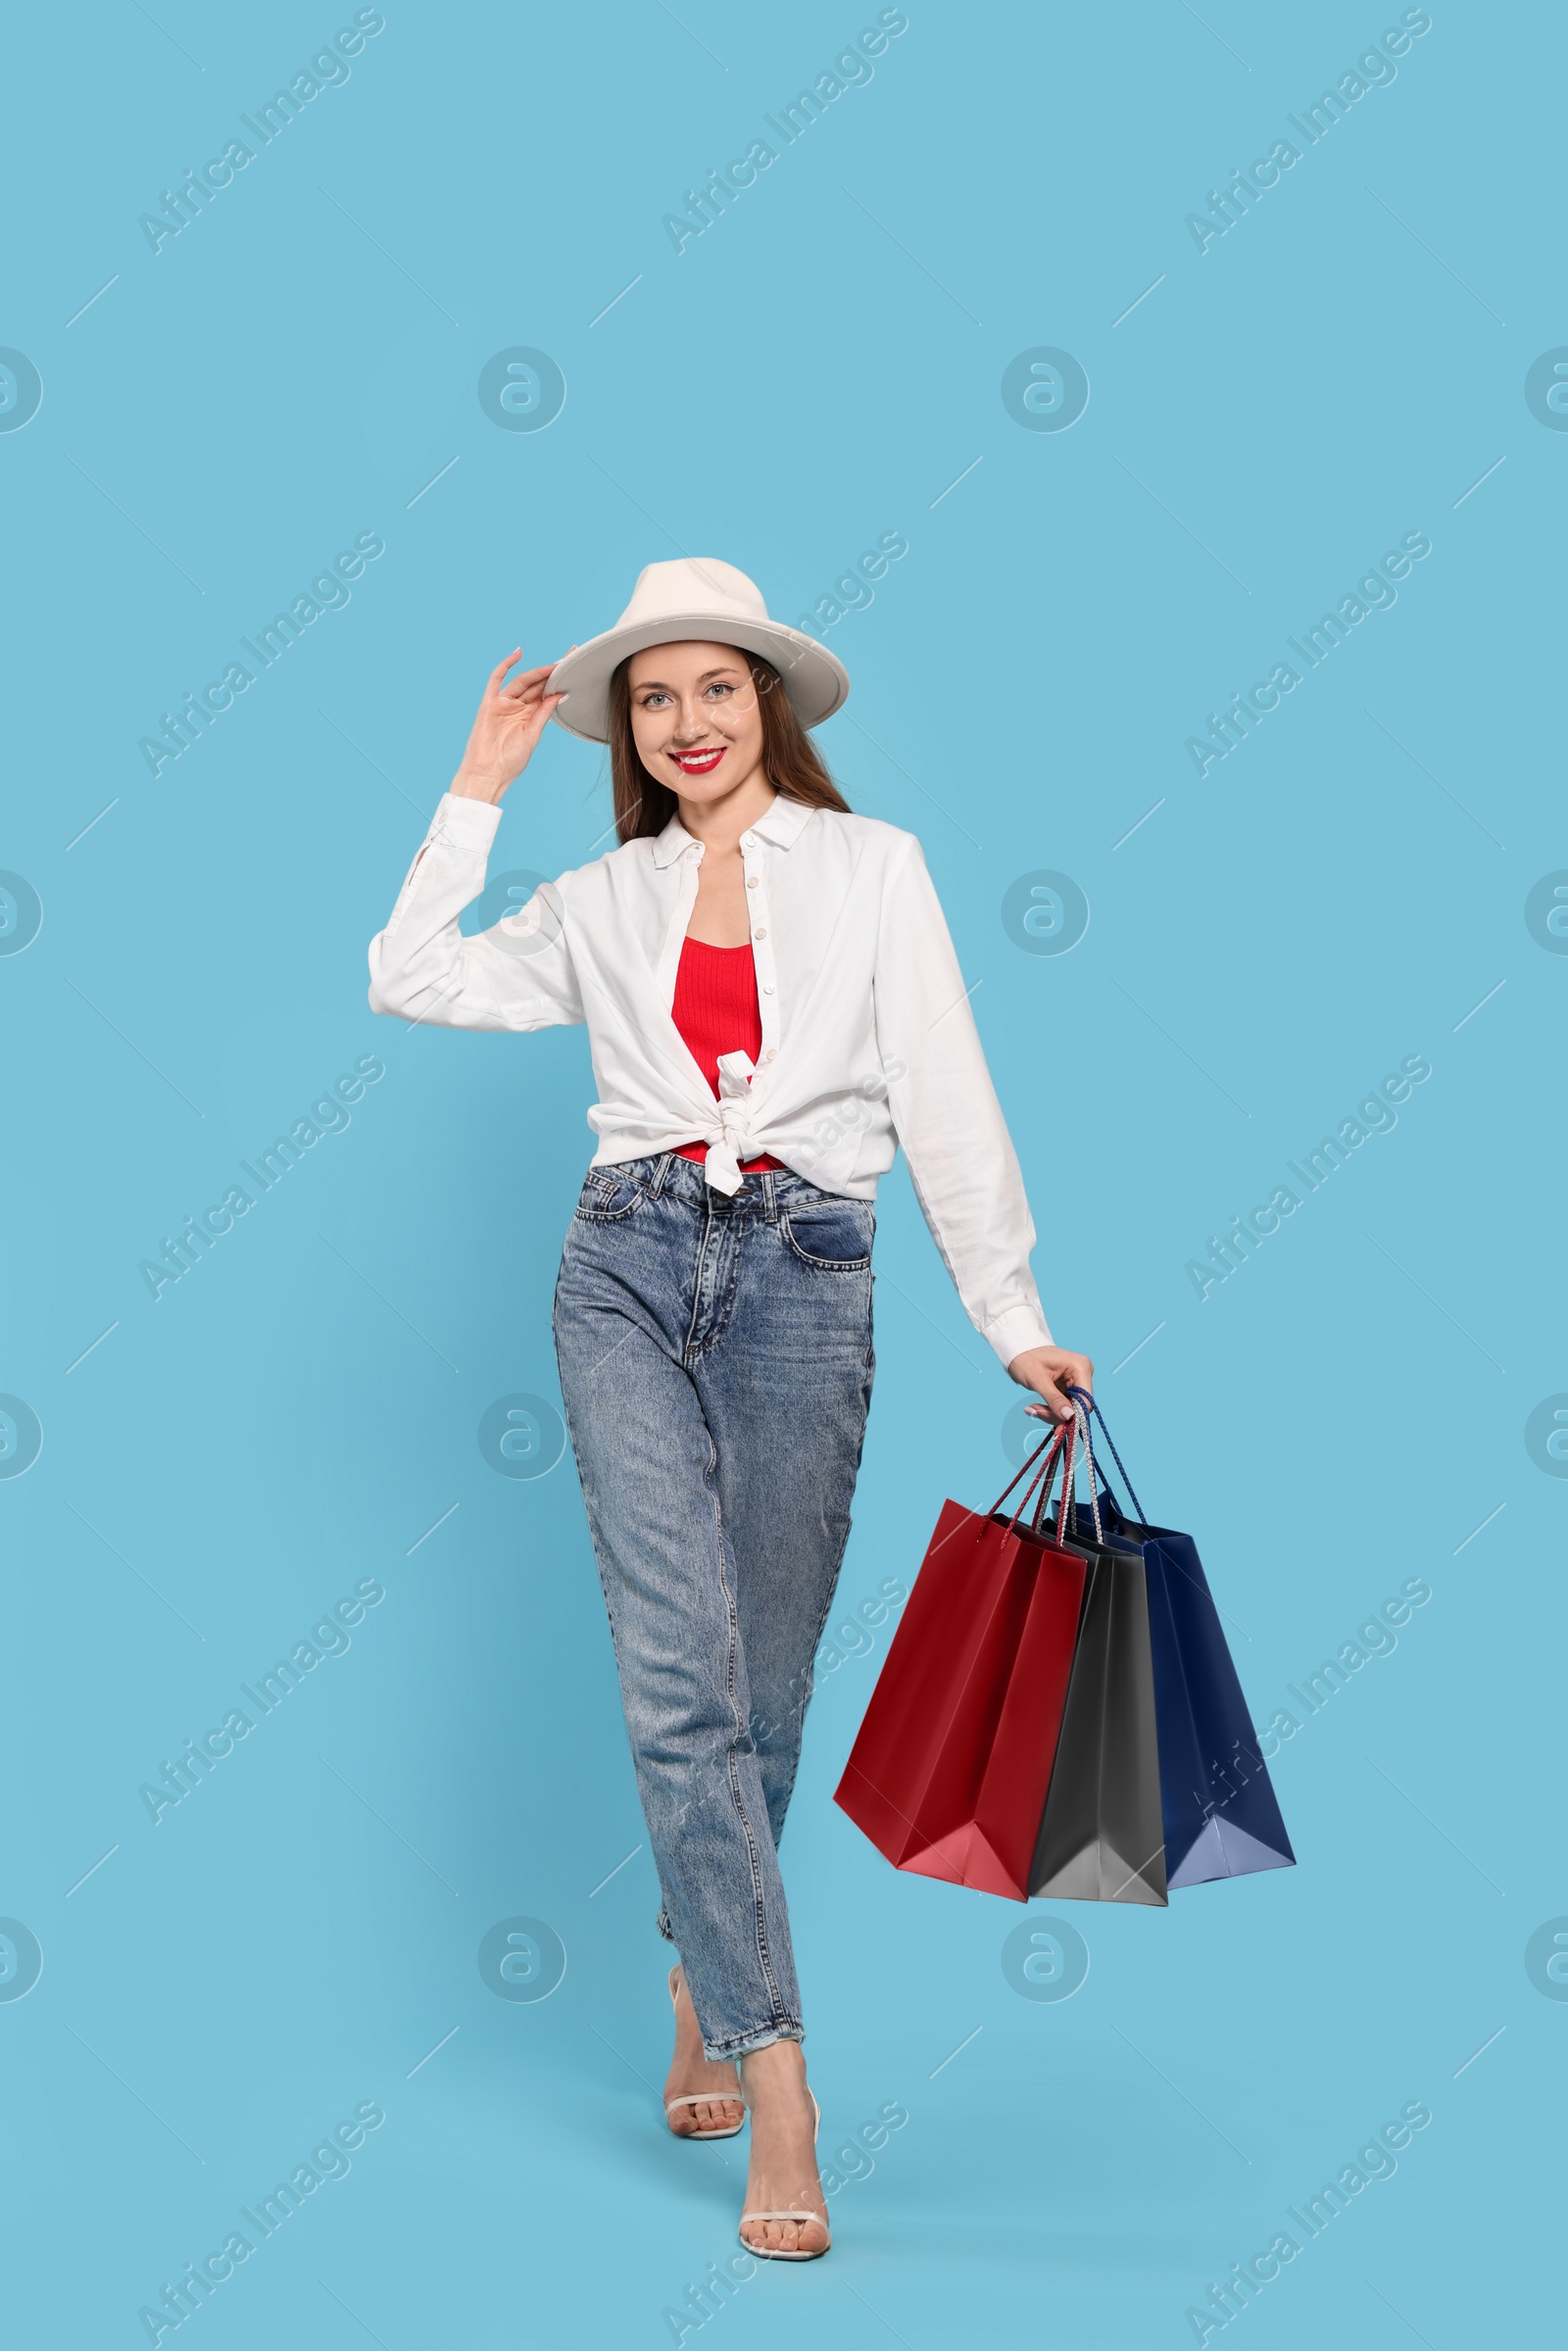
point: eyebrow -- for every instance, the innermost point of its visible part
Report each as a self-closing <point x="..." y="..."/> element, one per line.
<point x="646" y="685"/>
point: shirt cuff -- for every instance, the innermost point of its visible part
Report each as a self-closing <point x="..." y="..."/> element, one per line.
<point x="1015" y="1331"/>
<point x="466" y="823"/>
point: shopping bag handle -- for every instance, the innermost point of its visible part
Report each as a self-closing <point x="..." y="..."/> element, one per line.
<point x="1069" y="1492"/>
<point x="1069" y="1500"/>
<point x="1046" y="1455"/>
<point x="1046" y="1444"/>
<point x="1085" y="1405"/>
<point x="1069" y="1455"/>
<point x="1067" y="1507"/>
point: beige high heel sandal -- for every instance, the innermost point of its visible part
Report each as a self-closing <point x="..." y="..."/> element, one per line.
<point x="801" y="2216"/>
<point x="702" y="2097"/>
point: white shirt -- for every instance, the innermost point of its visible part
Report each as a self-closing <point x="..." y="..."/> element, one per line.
<point x="867" y="1037"/>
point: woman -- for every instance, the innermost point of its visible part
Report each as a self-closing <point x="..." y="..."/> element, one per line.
<point x="773" y="1005"/>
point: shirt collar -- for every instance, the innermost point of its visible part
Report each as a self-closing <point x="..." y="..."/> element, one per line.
<point x="781" y="825"/>
<point x="784" y="823"/>
<point x="668" y="843"/>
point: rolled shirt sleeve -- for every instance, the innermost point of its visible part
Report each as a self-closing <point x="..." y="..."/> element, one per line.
<point x="947" y="1116"/>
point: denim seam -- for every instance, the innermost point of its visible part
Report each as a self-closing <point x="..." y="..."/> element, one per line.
<point x="763" y="1953"/>
<point x="809" y="1692"/>
<point x="824" y="1265"/>
<point x="827" y="1264"/>
<point x="827" y="1606"/>
<point x="838" y="1568"/>
<point x="697" y="1293"/>
<point x="723" y="1306"/>
<point x="741" y="2044"/>
<point x="607" y="1186"/>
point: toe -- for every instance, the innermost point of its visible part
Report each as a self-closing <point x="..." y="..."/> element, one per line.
<point x="712" y="2113"/>
<point x="786" y="2236"/>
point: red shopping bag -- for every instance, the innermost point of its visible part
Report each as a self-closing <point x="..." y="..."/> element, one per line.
<point x="949" y="1773"/>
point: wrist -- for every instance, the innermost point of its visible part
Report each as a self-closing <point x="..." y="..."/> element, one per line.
<point x="471" y="784"/>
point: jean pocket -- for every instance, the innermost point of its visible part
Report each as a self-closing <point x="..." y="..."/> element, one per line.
<point x="832" y="1235"/>
<point x="608" y="1194"/>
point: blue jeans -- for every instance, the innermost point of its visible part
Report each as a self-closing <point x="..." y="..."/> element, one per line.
<point x="715" y="1361"/>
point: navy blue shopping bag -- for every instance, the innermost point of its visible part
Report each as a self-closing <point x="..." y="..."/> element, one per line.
<point x="1220" y="1813"/>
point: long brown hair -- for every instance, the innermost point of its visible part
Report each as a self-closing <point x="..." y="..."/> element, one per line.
<point x="791" y="761"/>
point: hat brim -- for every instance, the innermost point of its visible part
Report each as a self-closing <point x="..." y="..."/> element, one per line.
<point x="814" y="679"/>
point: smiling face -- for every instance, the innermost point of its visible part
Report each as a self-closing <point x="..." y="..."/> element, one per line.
<point x="695" y="718"/>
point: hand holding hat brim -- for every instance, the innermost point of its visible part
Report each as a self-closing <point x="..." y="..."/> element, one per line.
<point x="511" y="718"/>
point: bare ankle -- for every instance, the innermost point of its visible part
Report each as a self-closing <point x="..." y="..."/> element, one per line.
<point x="774" y="2077"/>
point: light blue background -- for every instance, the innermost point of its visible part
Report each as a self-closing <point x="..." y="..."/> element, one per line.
<point x="294" y="369"/>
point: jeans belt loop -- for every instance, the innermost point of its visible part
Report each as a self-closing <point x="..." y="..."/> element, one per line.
<point x="769" y="1195"/>
<point x="662" y="1168"/>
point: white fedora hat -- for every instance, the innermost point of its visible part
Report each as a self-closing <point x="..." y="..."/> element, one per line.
<point x="696" y="600"/>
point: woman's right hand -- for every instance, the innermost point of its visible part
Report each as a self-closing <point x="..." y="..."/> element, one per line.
<point x="511" y="717"/>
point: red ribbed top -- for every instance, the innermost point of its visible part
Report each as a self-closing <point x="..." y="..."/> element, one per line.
<point x="716" y="1011"/>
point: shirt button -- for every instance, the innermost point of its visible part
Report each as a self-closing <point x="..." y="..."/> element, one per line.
<point x="768" y="1056"/>
<point x="751" y="881"/>
<point x="768" y="988"/>
<point x="758" y="934"/>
